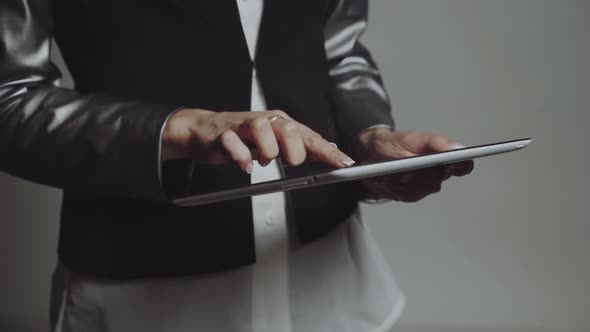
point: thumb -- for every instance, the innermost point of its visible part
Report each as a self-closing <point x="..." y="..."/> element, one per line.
<point x="438" y="143"/>
<point x="455" y="146"/>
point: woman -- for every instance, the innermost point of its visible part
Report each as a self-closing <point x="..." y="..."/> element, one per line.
<point x="163" y="107"/>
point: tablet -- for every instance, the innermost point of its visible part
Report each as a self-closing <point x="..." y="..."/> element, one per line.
<point x="356" y="172"/>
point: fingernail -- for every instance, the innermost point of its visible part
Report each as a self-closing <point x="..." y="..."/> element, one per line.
<point x="456" y="146"/>
<point x="347" y="162"/>
<point x="333" y="144"/>
<point x="249" y="168"/>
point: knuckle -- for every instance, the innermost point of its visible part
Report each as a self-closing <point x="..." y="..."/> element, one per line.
<point x="290" y="128"/>
<point x="226" y="137"/>
<point x="258" y="123"/>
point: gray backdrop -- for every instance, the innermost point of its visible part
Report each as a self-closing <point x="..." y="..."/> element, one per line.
<point x="505" y="249"/>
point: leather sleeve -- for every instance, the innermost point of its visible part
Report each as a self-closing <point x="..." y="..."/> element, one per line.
<point x="357" y="90"/>
<point x="61" y="138"/>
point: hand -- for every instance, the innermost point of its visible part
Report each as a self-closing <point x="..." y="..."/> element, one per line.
<point x="383" y="143"/>
<point x="219" y="137"/>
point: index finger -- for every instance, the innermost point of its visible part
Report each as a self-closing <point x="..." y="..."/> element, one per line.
<point x="320" y="149"/>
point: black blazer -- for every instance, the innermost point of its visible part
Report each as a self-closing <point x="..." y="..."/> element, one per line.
<point x="134" y="63"/>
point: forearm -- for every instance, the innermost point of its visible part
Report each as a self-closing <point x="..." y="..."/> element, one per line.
<point x="62" y="138"/>
<point x="77" y="142"/>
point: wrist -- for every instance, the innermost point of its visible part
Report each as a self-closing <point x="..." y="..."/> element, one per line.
<point x="178" y="133"/>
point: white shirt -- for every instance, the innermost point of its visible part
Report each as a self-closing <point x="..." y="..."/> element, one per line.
<point x="272" y="278"/>
<point x="339" y="283"/>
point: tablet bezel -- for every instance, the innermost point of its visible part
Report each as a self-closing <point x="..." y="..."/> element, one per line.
<point x="356" y="172"/>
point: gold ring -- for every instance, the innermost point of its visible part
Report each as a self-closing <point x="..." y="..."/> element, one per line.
<point x="274" y="117"/>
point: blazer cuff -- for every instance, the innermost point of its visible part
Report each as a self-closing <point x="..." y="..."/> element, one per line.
<point x="165" y="189"/>
<point x="381" y="125"/>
